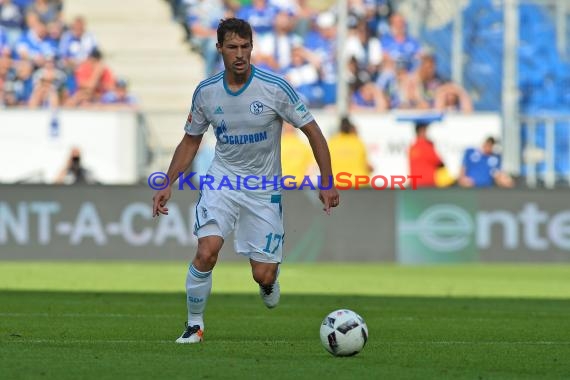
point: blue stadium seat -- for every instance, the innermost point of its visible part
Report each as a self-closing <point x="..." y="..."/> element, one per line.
<point x="544" y="77"/>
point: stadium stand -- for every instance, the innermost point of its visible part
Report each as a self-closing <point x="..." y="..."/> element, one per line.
<point x="149" y="49"/>
<point x="544" y="82"/>
<point x="141" y="42"/>
<point x="544" y="73"/>
<point x="380" y="48"/>
<point x="50" y="60"/>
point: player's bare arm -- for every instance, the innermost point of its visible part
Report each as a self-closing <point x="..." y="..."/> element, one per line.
<point x="329" y="196"/>
<point x="181" y="160"/>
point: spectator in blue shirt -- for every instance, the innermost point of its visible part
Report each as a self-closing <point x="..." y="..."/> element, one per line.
<point x="398" y="45"/>
<point x="34" y="44"/>
<point x="47" y="11"/>
<point x="119" y="96"/>
<point x="274" y="50"/>
<point x="322" y="44"/>
<point x="482" y="167"/>
<point x="367" y="96"/>
<point x="303" y="75"/>
<point x="260" y="14"/>
<point x="4" y="44"/>
<point x="21" y="83"/>
<point x="202" y="21"/>
<point x="76" y="43"/>
<point x="11" y="19"/>
<point x="54" y="33"/>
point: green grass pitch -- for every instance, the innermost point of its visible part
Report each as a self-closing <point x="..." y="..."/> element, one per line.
<point x="120" y="320"/>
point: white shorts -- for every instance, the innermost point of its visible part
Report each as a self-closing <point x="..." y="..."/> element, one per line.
<point x="257" y="220"/>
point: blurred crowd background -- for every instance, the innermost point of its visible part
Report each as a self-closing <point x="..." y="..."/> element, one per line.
<point x="387" y="67"/>
<point x="47" y="61"/>
<point x="398" y="56"/>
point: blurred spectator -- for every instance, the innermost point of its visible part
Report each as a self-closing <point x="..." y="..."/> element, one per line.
<point x="5" y="67"/>
<point x="54" y="34"/>
<point x="348" y="151"/>
<point x="74" y="172"/>
<point x="304" y="14"/>
<point x="356" y="75"/>
<point x="296" y="156"/>
<point x="288" y="6"/>
<point x="365" y="48"/>
<point x="179" y="9"/>
<point x="378" y="13"/>
<point x="398" y="46"/>
<point x="202" y="22"/>
<point x="6" y="74"/>
<point x="321" y="43"/>
<point x="394" y="83"/>
<point x="76" y="43"/>
<point x="4" y="43"/>
<point x="451" y="97"/>
<point x="368" y="97"/>
<point x="424" y="161"/>
<point x="34" y="44"/>
<point x="482" y="167"/>
<point x="11" y="20"/>
<point x="274" y="49"/>
<point x="119" y="97"/>
<point x="425" y="82"/>
<point x="49" y="86"/>
<point x="303" y="75"/>
<point x="42" y="61"/>
<point x="260" y="14"/>
<point x="21" y="83"/>
<point x="93" y="77"/>
<point x="357" y="8"/>
<point x="427" y="90"/>
<point x="47" y="11"/>
<point x="8" y="96"/>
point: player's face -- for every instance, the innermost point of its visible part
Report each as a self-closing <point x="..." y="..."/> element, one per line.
<point x="236" y="53"/>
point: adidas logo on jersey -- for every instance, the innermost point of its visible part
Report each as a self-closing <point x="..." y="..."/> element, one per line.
<point x="219" y="111"/>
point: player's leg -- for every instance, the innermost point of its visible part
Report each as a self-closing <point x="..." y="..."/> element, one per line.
<point x="259" y="236"/>
<point x="215" y="218"/>
<point x="199" y="283"/>
<point x="266" y="275"/>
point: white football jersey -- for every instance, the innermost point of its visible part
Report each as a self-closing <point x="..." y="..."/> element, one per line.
<point x="247" y="125"/>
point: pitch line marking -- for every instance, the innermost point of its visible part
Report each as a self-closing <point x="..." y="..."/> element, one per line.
<point x="134" y="341"/>
<point x="84" y="315"/>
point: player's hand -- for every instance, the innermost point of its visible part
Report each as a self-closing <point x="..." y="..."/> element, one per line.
<point x="159" y="201"/>
<point x="330" y="198"/>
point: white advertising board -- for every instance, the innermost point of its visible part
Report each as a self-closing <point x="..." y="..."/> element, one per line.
<point x="387" y="138"/>
<point x="34" y="150"/>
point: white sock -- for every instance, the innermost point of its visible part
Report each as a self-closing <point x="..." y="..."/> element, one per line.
<point x="198" y="288"/>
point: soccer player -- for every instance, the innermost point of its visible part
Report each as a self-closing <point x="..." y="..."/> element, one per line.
<point x="246" y="108"/>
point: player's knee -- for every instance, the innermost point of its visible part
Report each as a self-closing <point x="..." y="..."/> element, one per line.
<point x="205" y="260"/>
<point x="207" y="255"/>
<point x="264" y="276"/>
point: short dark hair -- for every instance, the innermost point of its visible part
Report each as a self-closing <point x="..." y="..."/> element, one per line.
<point x="421" y="126"/>
<point x="490" y="140"/>
<point x="234" y="25"/>
<point x="346" y="125"/>
<point x="96" y="53"/>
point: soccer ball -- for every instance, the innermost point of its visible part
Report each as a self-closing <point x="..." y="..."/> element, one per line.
<point x="344" y="333"/>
